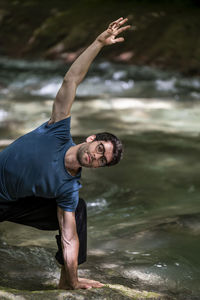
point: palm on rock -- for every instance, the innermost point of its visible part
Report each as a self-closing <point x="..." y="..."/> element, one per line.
<point x="109" y="36"/>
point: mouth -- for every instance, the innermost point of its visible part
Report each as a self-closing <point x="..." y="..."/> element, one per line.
<point x="89" y="158"/>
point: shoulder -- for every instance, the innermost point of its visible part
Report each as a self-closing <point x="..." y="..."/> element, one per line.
<point x="59" y="129"/>
<point x="54" y="120"/>
<point x="69" y="197"/>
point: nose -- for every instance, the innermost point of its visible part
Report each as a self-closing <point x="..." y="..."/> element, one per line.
<point x="96" y="156"/>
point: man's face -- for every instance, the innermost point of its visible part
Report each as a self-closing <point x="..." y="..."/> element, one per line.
<point x="95" y="154"/>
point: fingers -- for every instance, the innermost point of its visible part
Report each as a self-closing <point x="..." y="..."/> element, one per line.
<point x="114" y="22"/>
<point x="96" y="284"/>
<point x="84" y="286"/>
<point x="90" y="285"/>
<point x="115" y="27"/>
<point x="87" y="283"/>
<point x="118" y="23"/>
<point x="123" y="29"/>
<point x="93" y="283"/>
<point x="119" y="40"/>
<point x="123" y="21"/>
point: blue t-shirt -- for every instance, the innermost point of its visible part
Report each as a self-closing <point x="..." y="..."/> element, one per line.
<point x="33" y="165"/>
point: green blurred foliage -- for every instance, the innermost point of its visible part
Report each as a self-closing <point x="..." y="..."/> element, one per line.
<point x="164" y="33"/>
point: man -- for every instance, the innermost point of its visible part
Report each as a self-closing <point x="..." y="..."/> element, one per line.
<point x="40" y="171"/>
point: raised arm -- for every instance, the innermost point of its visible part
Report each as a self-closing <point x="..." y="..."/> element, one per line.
<point x="78" y="70"/>
<point x="70" y="248"/>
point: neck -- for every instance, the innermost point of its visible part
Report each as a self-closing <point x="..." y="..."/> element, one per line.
<point x="71" y="162"/>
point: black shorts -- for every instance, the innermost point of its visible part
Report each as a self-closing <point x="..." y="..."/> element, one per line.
<point x="41" y="213"/>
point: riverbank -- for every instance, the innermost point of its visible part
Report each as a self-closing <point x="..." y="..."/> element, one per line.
<point x="162" y="34"/>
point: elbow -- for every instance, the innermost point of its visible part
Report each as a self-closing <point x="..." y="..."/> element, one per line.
<point x="69" y="240"/>
<point x="66" y="241"/>
<point x="71" y="79"/>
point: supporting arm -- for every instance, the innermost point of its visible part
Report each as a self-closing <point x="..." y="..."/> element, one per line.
<point x="70" y="245"/>
<point x="70" y="248"/>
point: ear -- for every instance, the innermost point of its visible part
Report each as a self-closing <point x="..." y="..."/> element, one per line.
<point x="90" y="138"/>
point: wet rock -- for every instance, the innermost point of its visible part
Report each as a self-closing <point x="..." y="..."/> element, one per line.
<point x="31" y="273"/>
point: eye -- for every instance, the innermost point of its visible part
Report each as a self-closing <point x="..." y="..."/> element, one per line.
<point x="100" y="148"/>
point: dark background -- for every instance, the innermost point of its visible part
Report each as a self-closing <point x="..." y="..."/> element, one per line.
<point x="163" y="34"/>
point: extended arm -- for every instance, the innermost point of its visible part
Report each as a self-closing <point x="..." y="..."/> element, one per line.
<point x="70" y="247"/>
<point x="76" y="73"/>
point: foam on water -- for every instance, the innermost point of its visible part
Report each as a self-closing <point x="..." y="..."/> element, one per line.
<point x="166" y="85"/>
<point x="49" y="89"/>
<point x="3" y="115"/>
<point x="43" y="78"/>
<point x="99" y="202"/>
<point x="21" y="64"/>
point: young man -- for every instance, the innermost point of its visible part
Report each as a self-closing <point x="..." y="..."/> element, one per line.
<point x="40" y="171"/>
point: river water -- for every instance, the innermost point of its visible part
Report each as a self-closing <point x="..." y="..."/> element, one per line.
<point x="143" y="214"/>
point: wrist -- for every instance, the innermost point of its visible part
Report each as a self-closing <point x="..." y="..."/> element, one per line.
<point x="99" y="43"/>
<point x="72" y="282"/>
<point x="69" y="275"/>
<point x="73" y="285"/>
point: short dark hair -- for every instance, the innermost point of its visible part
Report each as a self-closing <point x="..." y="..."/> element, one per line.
<point x="117" y="146"/>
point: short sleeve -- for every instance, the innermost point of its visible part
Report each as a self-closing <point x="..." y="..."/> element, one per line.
<point x="60" y="129"/>
<point x="68" y="202"/>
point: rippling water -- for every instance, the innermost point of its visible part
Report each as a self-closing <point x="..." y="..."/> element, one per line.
<point x="144" y="214"/>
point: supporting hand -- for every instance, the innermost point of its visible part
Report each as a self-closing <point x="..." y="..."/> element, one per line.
<point x="108" y="37"/>
<point x="82" y="283"/>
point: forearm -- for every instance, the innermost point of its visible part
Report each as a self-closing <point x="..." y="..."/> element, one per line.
<point x="70" y="256"/>
<point x="81" y="65"/>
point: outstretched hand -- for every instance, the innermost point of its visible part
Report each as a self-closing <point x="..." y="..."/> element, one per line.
<point x="109" y="36"/>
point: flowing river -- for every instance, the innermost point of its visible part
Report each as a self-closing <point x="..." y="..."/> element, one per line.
<point x="144" y="214"/>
